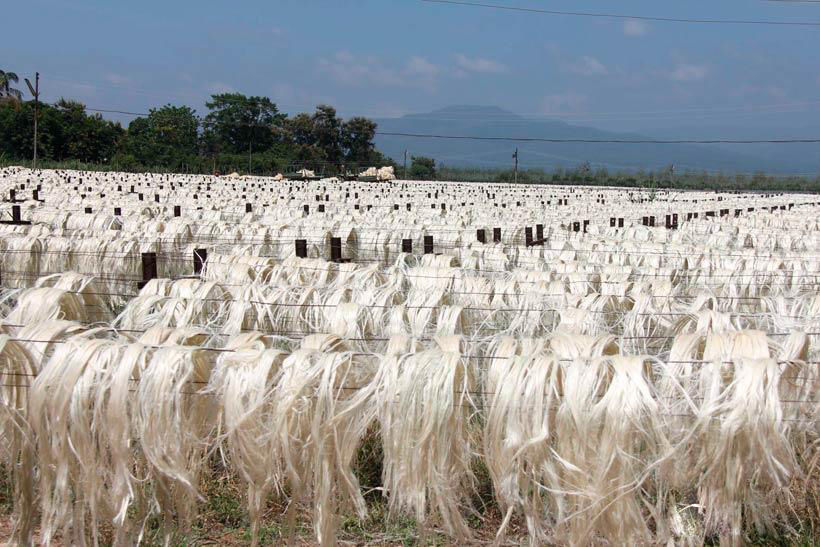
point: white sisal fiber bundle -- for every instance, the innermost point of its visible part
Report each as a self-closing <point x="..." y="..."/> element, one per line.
<point x="605" y="438"/>
<point x="450" y="321"/>
<point x="319" y="424"/>
<point x="243" y="380"/>
<point x="517" y="435"/>
<point x="168" y="336"/>
<point x="20" y="260"/>
<point x="800" y="381"/>
<point x="45" y="303"/>
<point x="350" y="320"/>
<point x="421" y="303"/>
<point x="175" y="419"/>
<point x="743" y="457"/>
<point x="17" y="371"/>
<point x="87" y="287"/>
<point x="501" y="350"/>
<point x="67" y="406"/>
<point x="141" y="312"/>
<point x="568" y="346"/>
<point x="629" y="418"/>
<point x="40" y="339"/>
<point x="428" y="445"/>
<point x="379" y="395"/>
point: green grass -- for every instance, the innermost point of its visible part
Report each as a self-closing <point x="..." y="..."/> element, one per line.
<point x="6" y="491"/>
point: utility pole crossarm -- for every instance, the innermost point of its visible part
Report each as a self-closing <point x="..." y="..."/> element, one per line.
<point x="35" y="92"/>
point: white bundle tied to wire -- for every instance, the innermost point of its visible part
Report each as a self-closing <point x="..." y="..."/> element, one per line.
<point x="424" y="408"/>
<point x="319" y="427"/>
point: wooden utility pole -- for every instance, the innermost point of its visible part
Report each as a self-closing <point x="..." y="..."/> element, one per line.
<point x="35" y="91"/>
<point x="515" y="157"/>
<point x="405" y="164"/>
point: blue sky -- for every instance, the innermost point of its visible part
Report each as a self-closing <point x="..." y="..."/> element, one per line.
<point x="387" y="58"/>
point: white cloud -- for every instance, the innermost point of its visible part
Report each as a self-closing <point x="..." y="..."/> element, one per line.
<point x="345" y="68"/>
<point x="479" y="64"/>
<point x="419" y="66"/>
<point x="216" y="88"/>
<point x="588" y="66"/>
<point x="688" y="73"/>
<point x="563" y="103"/>
<point x="633" y="27"/>
<point x="117" y="79"/>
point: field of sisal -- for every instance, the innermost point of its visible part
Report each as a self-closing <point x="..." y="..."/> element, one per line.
<point x="625" y="366"/>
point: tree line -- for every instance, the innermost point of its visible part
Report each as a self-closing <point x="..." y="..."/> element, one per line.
<point x="239" y="133"/>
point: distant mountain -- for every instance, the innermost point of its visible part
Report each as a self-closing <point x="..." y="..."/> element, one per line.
<point x="491" y="121"/>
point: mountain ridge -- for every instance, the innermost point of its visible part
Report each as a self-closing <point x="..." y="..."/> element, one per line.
<point x="493" y="121"/>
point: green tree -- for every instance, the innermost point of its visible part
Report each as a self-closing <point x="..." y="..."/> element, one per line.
<point x="423" y="168"/>
<point x="327" y="133"/>
<point x="244" y="124"/>
<point x="8" y="93"/>
<point x="87" y="138"/>
<point x="66" y="132"/>
<point x="210" y="147"/>
<point x="300" y="129"/>
<point x="357" y="140"/>
<point x="167" y="137"/>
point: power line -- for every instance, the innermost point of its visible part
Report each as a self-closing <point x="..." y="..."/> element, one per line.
<point x="116" y="111"/>
<point x="536" y="139"/>
<point x="624" y="16"/>
<point x="601" y="141"/>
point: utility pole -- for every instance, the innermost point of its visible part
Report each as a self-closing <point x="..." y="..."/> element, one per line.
<point x="405" y="164"/>
<point x="515" y="157"/>
<point x="250" y="155"/>
<point x="35" y="91"/>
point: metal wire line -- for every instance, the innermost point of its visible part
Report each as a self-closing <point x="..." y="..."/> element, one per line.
<point x="600" y="15"/>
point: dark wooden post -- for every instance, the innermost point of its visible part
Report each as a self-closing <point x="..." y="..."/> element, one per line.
<point x="200" y="256"/>
<point x="149" y="267"/>
<point x="336" y="249"/>
<point x="301" y="247"/>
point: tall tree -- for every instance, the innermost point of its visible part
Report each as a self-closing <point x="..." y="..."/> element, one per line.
<point x="327" y="133"/>
<point x="243" y="124"/>
<point x="84" y="137"/>
<point x="6" y="79"/>
<point x="300" y="129"/>
<point x="7" y="92"/>
<point x="168" y="136"/>
<point x="357" y="140"/>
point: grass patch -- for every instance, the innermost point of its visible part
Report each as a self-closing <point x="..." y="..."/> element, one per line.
<point x="6" y="491"/>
